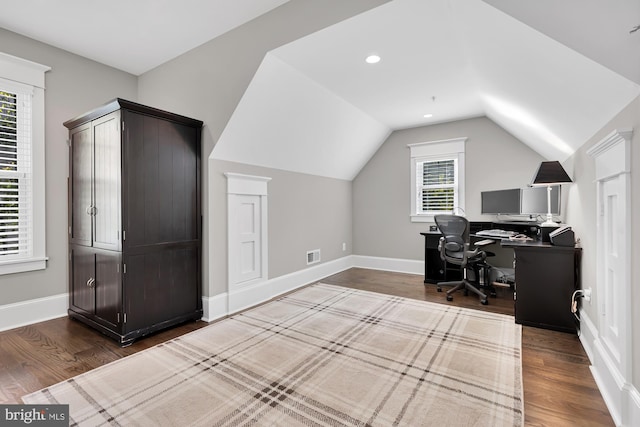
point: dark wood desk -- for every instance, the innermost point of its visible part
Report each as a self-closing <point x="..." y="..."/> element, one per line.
<point x="546" y="277"/>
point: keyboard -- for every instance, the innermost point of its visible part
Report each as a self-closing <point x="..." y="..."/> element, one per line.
<point x="499" y="234"/>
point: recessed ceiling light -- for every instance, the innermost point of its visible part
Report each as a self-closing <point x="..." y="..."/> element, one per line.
<point x="373" y="59"/>
<point x="426" y="116"/>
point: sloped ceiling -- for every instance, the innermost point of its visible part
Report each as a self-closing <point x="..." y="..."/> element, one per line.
<point x="288" y="121"/>
<point x="599" y="29"/>
<point x="449" y="58"/>
<point x="133" y="36"/>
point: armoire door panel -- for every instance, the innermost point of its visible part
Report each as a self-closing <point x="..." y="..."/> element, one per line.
<point x="159" y="285"/>
<point x="80" y="156"/>
<point x="106" y="136"/>
<point x="134" y="203"/>
<point x="157" y="275"/>
<point x="82" y="273"/>
<point x="151" y="190"/>
<point x="184" y="264"/>
<point x="179" y="204"/>
<point x="166" y="182"/>
<point x="162" y="196"/>
<point x="135" y="293"/>
<point x="108" y="286"/>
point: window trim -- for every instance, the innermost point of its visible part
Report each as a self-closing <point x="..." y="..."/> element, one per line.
<point x="431" y="151"/>
<point x="32" y="74"/>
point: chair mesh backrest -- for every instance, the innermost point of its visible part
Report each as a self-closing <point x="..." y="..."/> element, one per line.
<point x="454" y="228"/>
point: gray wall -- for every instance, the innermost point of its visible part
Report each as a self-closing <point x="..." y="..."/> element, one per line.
<point x="581" y="215"/>
<point x="74" y="85"/>
<point x="381" y="192"/>
<point x="208" y="82"/>
<point x="305" y="212"/>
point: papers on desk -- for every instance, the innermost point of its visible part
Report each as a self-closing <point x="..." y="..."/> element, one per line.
<point x="498" y="234"/>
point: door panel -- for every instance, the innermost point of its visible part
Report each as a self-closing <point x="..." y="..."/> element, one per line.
<point x="246" y="234"/>
<point x="613" y="264"/>
<point x="81" y="192"/>
<point x="106" y="136"/>
<point x="82" y="271"/>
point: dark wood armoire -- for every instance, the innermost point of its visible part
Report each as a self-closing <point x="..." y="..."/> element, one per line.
<point x="134" y="219"/>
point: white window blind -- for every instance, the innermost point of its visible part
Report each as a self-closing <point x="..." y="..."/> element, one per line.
<point x="437" y="192"/>
<point x="437" y="178"/>
<point x="16" y="211"/>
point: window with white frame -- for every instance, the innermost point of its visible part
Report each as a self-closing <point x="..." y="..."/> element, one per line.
<point x="437" y="178"/>
<point x="22" y="238"/>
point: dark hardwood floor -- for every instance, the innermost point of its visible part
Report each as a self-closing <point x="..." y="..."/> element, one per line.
<point x="559" y="389"/>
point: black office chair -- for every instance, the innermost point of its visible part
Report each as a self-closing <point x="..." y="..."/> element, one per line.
<point x="454" y="249"/>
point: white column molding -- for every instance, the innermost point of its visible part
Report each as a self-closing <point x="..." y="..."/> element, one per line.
<point x="610" y="348"/>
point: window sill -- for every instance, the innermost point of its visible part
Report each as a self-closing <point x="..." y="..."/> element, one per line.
<point x="22" y="265"/>
<point x="422" y="218"/>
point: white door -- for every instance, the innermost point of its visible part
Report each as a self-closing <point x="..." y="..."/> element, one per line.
<point x="612" y="210"/>
<point x="246" y="238"/>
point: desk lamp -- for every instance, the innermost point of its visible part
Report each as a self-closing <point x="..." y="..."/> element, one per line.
<point x="550" y="174"/>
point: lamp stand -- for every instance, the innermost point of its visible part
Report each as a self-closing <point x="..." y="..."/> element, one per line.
<point x="549" y="222"/>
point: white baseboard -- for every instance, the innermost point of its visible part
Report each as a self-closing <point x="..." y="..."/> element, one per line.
<point x="389" y="264"/>
<point x="588" y="334"/>
<point x="620" y="396"/>
<point x="33" y="311"/>
<point x="214" y="307"/>
<point x="244" y="297"/>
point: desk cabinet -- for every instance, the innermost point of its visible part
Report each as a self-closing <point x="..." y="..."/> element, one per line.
<point x="546" y="277"/>
<point x="435" y="269"/>
<point x="134" y="219"/>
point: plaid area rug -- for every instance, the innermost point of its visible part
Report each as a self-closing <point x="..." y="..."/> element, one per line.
<point x="321" y="356"/>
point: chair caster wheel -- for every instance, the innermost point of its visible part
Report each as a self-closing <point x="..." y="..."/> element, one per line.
<point x="484" y="302"/>
<point x="449" y="298"/>
<point x="439" y="289"/>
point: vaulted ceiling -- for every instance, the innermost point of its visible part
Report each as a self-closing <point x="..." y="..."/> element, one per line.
<point x="551" y="74"/>
<point x="324" y="110"/>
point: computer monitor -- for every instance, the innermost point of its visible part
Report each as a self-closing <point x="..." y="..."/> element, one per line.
<point x="506" y="202"/>
<point x="534" y="200"/>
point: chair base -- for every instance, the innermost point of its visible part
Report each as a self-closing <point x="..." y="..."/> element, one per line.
<point x="465" y="285"/>
<point x="486" y="285"/>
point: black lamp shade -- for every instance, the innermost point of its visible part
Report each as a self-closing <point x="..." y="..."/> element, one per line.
<point x="550" y="173"/>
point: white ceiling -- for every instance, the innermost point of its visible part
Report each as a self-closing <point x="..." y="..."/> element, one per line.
<point x="315" y="106"/>
<point x="130" y="35"/>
